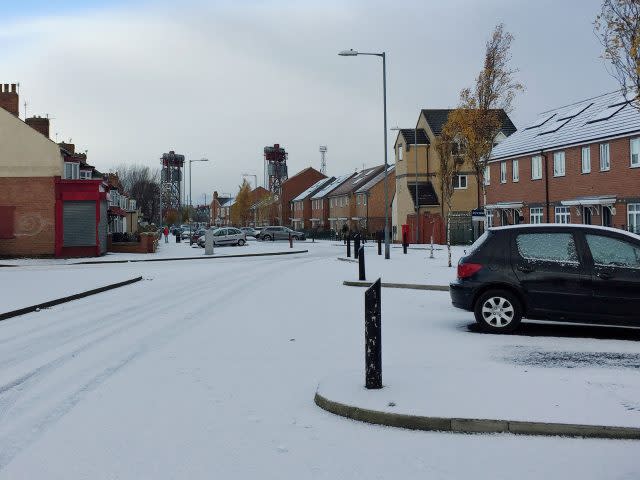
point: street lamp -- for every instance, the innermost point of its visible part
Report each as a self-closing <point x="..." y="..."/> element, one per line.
<point x="354" y="53"/>
<point x="190" y="200"/>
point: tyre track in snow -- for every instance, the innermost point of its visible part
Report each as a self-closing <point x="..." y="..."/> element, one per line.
<point x="26" y="407"/>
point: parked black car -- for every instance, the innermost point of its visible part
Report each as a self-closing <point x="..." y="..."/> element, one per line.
<point x="555" y="272"/>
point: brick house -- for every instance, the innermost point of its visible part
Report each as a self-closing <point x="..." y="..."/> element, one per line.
<point x="294" y="186"/>
<point x="215" y="209"/>
<point x="320" y="203"/>
<point x="575" y="164"/>
<point x="301" y="205"/>
<point x="369" y="202"/>
<point x="342" y="204"/>
<point x="46" y="207"/>
<point x="417" y="179"/>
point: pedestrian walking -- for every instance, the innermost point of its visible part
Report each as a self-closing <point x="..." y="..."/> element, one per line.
<point x="166" y="234"/>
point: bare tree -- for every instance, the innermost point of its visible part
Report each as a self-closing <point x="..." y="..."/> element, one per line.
<point x="480" y="115"/>
<point x="618" y="28"/>
<point x="143" y="185"/>
<point x="448" y="146"/>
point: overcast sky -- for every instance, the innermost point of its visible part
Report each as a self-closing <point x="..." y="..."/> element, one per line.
<point x="130" y="80"/>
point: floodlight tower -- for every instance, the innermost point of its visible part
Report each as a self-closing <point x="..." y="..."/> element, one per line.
<point x="323" y="159"/>
<point x="276" y="162"/>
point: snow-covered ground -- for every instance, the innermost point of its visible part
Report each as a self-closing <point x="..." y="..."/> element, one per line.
<point x="208" y="370"/>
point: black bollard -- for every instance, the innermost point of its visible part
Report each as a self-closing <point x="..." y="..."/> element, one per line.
<point x="372" y="337"/>
<point x="356" y="245"/>
<point x="405" y="243"/>
<point x="290" y="241"/>
<point x="349" y="247"/>
<point x="379" y="242"/>
<point x="362" y="276"/>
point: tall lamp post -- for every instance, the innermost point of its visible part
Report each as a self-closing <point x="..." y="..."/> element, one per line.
<point x="354" y="53"/>
<point x="190" y="201"/>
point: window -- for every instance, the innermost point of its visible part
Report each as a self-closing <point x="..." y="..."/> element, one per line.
<point x="536" y="167"/>
<point x="612" y="252"/>
<point x="516" y="170"/>
<point x="489" y="219"/>
<point x="635" y="152"/>
<point x="399" y="152"/>
<point x="558" y="164"/>
<point x="535" y="215"/>
<point x="549" y="247"/>
<point x="605" y="162"/>
<point x="460" y="182"/>
<point x="633" y="213"/>
<point x="487" y="175"/>
<point x="358" y="199"/>
<point x="563" y="215"/>
<point x="85" y="175"/>
<point x="586" y="159"/>
<point x="346" y="201"/>
<point x="364" y="199"/>
<point x="71" y="170"/>
<point x="132" y="204"/>
<point x="503" y="172"/>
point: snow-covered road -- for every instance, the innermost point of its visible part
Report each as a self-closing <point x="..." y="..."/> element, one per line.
<point x="208" y="370"/>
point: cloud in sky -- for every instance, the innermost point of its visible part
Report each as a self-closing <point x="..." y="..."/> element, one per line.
<point x="224" y="79"/>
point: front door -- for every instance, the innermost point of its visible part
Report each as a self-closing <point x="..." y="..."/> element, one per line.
<point x="586" y="215"/>
<point x="606" y="216"/>
<point x="616" y="277"/>
<point x="552" y="273"/>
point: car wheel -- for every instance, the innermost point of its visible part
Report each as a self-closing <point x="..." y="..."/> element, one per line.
<point x="267" y="238"/>
<point x="498" y="311"/>
<point x="240" y="242"/>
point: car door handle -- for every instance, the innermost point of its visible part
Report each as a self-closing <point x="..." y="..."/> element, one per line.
<point x="604" y="275"/>
<point x="525" y="268"/>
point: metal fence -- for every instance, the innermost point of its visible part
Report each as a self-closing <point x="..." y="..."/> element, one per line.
<point x="461" y="228"/>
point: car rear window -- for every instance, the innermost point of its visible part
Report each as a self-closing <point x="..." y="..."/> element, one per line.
<point x="478" y="243"/>
<point x="548" y="247"/>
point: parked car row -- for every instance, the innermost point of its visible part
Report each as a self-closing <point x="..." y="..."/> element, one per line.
<point x="225" y="236"/>
<point x="552" y="272"/>
<point x="279" y="233"/>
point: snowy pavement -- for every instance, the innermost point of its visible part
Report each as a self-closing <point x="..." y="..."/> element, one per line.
<point x="208" y="370"/>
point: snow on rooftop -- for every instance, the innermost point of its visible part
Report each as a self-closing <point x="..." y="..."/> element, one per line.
<point x="313" y="187"/>
<point x="331" y="186"/>
<point x="605" y="116"/>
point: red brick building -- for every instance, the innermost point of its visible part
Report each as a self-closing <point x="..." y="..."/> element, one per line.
<point x="575" y="164"/>
<point x="369" y="202"/>
<point x="301" y="205"/>
<point x="46" y="207"/>
<point x="320" y="203"/>
<point x="294" y="186"/>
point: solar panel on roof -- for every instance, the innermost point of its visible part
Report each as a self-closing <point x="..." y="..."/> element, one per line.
<point x="608" y="112"/>
<point x="574" y="112"/>
<point x="553" y="126"/>
<point x="541" y="120"/>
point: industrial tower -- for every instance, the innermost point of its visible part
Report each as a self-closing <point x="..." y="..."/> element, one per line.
<point x="323" y="159"/>
<point x="170" y="182"/>
<point x="275" y="161"/>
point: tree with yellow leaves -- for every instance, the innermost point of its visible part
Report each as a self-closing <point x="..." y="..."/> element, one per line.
<point x="618" y="27"/>
<point x="241" y="209"/>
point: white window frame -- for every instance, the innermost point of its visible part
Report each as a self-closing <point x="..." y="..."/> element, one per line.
<point x="559" y="164"/>
<point x="515" y="167"/>
<point x="634" y="144"/>
<point x="487" y="175"/>
<point x="605" y="154"/>
<point x="536" y="167"/>
<point x="400" y="157"/>
<point x="503" y="172"/>
<point x="457" y="182"/>
<point x="85" y="175"/>
<point x="586" y="159"/>
<point x="75" y="170"/>
<point x="489" y="218"/>
<point x="364" y="198"/>
<point x="535" y="215"/>
<point x="563" y="215"/>
<point x="633" y="212"/>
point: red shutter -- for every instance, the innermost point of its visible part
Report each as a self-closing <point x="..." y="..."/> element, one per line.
<point x="6" y="221"/>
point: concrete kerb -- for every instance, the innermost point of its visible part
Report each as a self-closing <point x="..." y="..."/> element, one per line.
<point x="175" y="259"/>
<point x="58" y="301"/>
<point x="475" y="425"/>
<point x="410" y="286"/>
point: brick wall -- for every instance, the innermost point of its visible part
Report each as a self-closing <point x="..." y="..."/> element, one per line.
<point x="293" y="187"/>
<point x="322" y="212"/>
<point x="34" y="215"/>
<point x="9" y="98"/>
<point x="620" y="181"/>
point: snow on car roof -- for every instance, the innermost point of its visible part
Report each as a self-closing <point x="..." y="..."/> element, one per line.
<point x="568" y="225"/>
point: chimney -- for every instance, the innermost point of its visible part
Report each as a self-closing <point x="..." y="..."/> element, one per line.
<point x="69" y="147"/>
<point x="41" y="124"/>
<point x="9" y="98"/>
